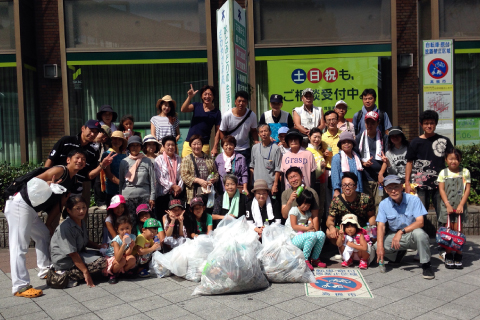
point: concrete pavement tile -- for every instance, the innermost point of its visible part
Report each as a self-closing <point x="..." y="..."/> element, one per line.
<point x="179" y="295"/>
<point x="432" y="316"/>
<point x="297" y="306"/>
<point x="121" y="286"/>
<point x="321" y="302"/>
<point x="90" y="294"/>
<point x="59" y="312"/>
<point x="11" y="301"/>
<point x="321" y="314"/>
<point x="244" y="317"/>
<point x="449" y="291"/>
<point x="150" y="303"/>
<point x="415" y="286"/>
<point x="375" y="303"/>
<point x="5" y="283"/>
<point x="422" y="301"/>
<point x="273" y="313"/>
<point x="87" y="316"/>
<point x="402" y="309"/>
<point x="469" y="300"/>
<point x="351" y="306"/>
<point x="199" y="304"/>
<point x="41" y="315"/>
<point x="164" y="287"/>
<point x="391" y="293"/>
<point x="52" y="303"/>
<point x="49" y="293"/>
<point x="21" y="310"/>
<point x="374" y="315"/>
<point x="183" y="282"/>
<point x="293" y="289"/>
<point x="457" y="311"/>
<point x="469" y="279"/>
<point x="140" y="316"/>
<point x="132" y="294"/>
<point x="168" y="312"/>
<point x="245" y="304"/>
<point x="272" y="297"/>
<point x="101" y="303"/>
<point x="218" y="313"/>
<point x="113" y="313"/>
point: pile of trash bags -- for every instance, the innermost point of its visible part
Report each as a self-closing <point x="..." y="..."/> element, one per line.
<point x="232" y="259"/>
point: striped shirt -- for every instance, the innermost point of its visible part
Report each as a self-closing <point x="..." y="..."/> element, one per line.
<point x="163" y="127"/>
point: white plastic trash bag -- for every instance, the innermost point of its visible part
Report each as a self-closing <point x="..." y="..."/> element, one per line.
<point x="199" y="250"/>
<point x="231" y="267"/>
<point x="38" y="191"/>
<point x="160" y="264"/>
<point x="238" y="229"/>
<point x="57" y="189"/>
<point x="281" y="260"/>
<point x="178" y="259"/>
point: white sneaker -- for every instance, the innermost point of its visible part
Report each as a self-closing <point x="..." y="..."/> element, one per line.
<point x="337" y="257"/>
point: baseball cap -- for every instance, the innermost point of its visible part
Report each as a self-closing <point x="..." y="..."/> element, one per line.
<point x="94" y="124"/>
<point x="308" y="90"/>
<point x="283" y="130"/>
<point x="175" y="203"/>
<point x="116" y="201"/>
<point x="391" y="179"/>
<point x="196" y="201"/>
<point x="372" y="115"/>
<point x="276" y="98"/>
<point x="341" y="102"/>
<point x="151" y="223"/>
<point x="107" y="130"/>
<point x="143" y="208"/>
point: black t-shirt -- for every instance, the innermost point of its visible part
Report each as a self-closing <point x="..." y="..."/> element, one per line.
<point x="276" y="208"/>
<point x="428" y="156"/>
<point x="63" y="147"/>
<point x="371" y="173"/>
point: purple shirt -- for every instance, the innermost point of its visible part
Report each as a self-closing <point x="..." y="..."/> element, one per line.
<point x="240" y="169"/>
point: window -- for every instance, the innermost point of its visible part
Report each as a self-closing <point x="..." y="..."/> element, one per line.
<point x="9" y="121"/>
<point x="467" y="83"/>
<point x="7" y="31"/>
<point x="459" y="19"/>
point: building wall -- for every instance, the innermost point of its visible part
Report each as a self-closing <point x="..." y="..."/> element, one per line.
<point x="407" y="79"/>
<point x="50" y="90"/>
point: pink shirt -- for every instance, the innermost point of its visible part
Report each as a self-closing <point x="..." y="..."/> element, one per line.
<point x="304" y="160"/>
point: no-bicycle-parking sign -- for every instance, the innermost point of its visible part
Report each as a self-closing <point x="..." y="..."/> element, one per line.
<point x="340" y="283"/>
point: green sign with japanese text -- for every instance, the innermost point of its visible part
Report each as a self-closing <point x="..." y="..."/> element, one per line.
<point x="331" y="80"/>
<point x="467" y="131"/>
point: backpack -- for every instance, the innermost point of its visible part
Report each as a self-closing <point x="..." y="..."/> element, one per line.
<point x="19" y="182"/>
<point x="381" y="122"/>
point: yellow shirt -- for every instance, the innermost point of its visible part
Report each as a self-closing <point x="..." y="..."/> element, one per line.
<point x="329" y="140"/>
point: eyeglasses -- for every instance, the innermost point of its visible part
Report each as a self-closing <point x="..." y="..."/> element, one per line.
<point x="330" y="120"/>
<point x="394" y="187"/>
<point x="348" y="185"/>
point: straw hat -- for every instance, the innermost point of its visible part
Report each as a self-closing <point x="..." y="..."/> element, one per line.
<point x="119" y="134"/>
<point x="166" y="98"/>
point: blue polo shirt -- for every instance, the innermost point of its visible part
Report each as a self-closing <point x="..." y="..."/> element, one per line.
<point x="400" y="215"/>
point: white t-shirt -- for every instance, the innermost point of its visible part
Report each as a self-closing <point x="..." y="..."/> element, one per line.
<point x="229" y="122"/>
<point x="301" y="219"/>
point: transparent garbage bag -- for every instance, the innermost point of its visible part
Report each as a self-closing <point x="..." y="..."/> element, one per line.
<point x="160" y="264"/>
<point x="240" y="230"/>
<point x="199" y="250"/>
<point x="281" y="260"/>
<point x="178" y="258"/>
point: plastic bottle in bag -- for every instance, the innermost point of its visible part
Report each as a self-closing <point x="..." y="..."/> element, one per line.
<point x="157" y="240"/>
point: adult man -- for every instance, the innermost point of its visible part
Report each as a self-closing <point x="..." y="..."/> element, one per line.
<point x="308" y="116"/>
<point x="372" y="147"/>
<point x="405" y="216"/>
<point x="240" y="122"/>
<point x="294" y="176"/>
<point x="369" y="96"/>
<point x="266" y="160"/>
<point x="426" y="157"/>
<point x="276" y="118"/>
<point x="341" y="108"/>
<point x="349" y="201"/>
<point x="85" y="141"/>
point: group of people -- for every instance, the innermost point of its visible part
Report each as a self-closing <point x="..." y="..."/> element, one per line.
<point x="307" y="170"/>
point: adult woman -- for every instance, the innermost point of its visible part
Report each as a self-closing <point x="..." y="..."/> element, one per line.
<point x="169" y="180"/>
<point x="232" y="162"/>
<point x="196" y="168"/>
<point x="24" y="223"/>
<point x="69" y="243"/>
<point x="342" y="124"/>
<point x="394" y="162"/>
<point x="119" y="144"/>
<point x="166" y="122"/>
<point x="315" y="147"/>
<point x="261" y="209"/>
<point x="346" y="161"/>
<point x="232" y="202"/>
<point x="205" y="116"/>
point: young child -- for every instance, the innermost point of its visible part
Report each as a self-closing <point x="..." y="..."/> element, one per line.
<point x="107" y="116"/>
<point x="175" y="231"/>
<point x="115" y="210"/>
<point x="199" y="221"/>
<point x="145" y="245"/>
<point x="352" y="243"/>
<point x="143" y="214"/>
<point x="302" y="232"/>
<point x="282" y="133"/>
<point x="119" y="251"/>
<point x="126" y="126"/>
<point x="150" y="147"/>
<point x="454" y="187"/>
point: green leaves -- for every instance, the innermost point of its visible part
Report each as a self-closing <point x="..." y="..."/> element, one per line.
<point x="471" y="161"/>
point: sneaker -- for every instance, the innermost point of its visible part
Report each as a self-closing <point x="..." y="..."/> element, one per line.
<point x="309" y="265"/>
<point x="458" y="261"/>
<point x="363" y="264"/>
<point x="113" y="279"/>
<point x="427" y="271"/>
<point x="319" y="264"/>
<point x="347" y="263"/>
<point x="28" y="292"/>
<point x="145" y="274"/>
<point x="449" y="263"/>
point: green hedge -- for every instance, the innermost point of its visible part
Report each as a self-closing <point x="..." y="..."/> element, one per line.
<point x="471" y="161"/>
<point x="8" y="173"/>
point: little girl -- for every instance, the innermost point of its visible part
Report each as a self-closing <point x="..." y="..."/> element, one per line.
<point x="126" y="126"/>
<point x="107" y="116"/>
<point x="175" y="231"/>
<point x="150" y="147"/>
<point x="302" y="232"/>
<point x="119" y="252"/>
<point x="454" y="187"/>
<point x="166" y="122"/>
<point x="145" y="245"/>
<point x="199" y="221"/>
<point x="115" y="210"/>
<point x="352" y="243"/>
<point x="143" y="214"/>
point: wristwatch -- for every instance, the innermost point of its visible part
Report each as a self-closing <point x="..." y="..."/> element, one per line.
<point x="403" y="231"/>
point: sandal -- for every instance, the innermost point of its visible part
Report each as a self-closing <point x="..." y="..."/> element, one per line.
<point x="309" y="265"/>
<point x="319" y="264"/>
<point x="29" y="292"/>
<point x="347" y="263"/>
<point x="363" y="264"/>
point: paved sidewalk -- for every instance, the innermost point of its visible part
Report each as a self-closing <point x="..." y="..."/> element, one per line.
<point x="401" y="293"/>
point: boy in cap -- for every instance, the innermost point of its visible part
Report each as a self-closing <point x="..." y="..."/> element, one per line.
<point x="282" y="134"/>
<point x="145" y="245"/>
<point x="276" y="118"/>
<point x="308" y="116"/>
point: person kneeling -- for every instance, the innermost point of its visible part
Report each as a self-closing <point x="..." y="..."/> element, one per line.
<point x="353" y="243"/>
<point x="405" y="216"/>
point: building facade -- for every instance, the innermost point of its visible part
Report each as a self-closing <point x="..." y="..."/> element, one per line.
<point x="130" y="53"/>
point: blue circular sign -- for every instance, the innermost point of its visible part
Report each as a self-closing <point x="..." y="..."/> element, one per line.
<point x="437" y="68"/>
<point x="299" y="76"/>
<point x="336" y="284"/>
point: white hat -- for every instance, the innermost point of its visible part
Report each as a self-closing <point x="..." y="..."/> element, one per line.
<point x="352" y="219"/>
